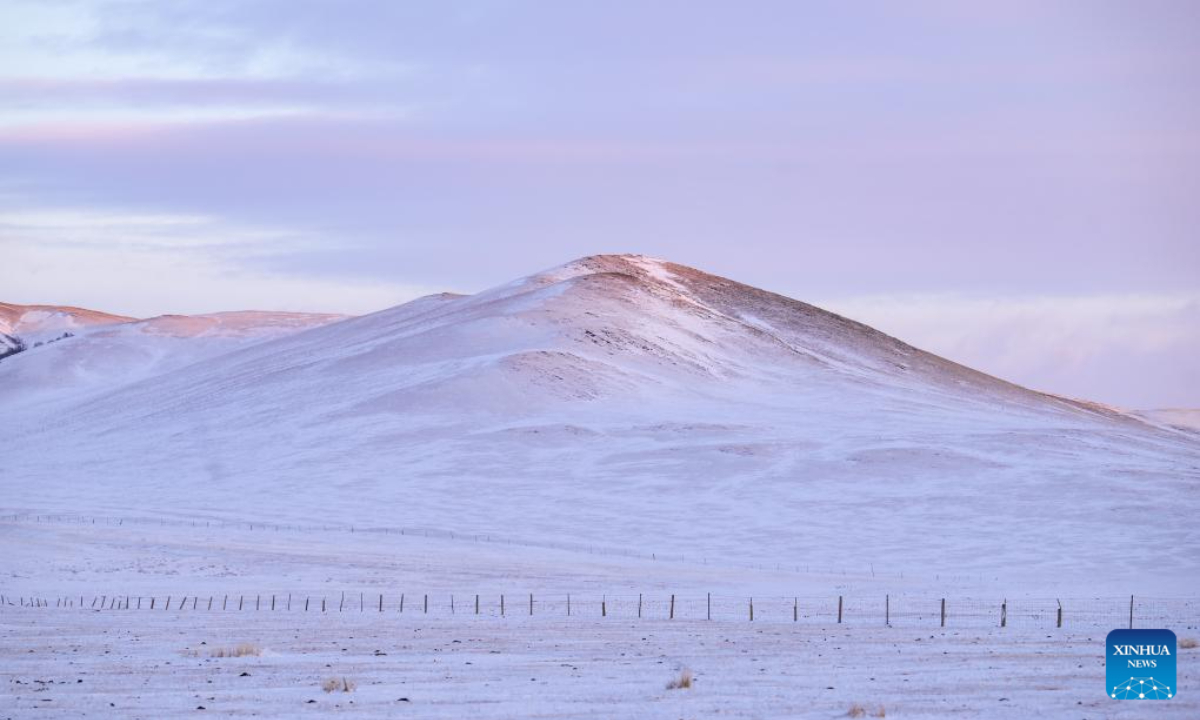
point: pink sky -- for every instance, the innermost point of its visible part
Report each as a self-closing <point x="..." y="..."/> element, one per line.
<point x="1012" y="185"/>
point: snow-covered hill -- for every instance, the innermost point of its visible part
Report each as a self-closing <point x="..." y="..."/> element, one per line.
<point x="37" y="320"/>
<point x="71" y="353"/>
<point x="633" y="403"/>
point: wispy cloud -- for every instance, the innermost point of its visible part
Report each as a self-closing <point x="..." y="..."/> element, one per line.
<point x="178" y="263"/>
<point x="1123" y="349"/>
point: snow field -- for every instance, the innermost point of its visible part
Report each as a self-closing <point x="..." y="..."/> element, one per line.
<point x="58" y="665"/>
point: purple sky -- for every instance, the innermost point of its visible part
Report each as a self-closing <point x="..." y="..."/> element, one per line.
<point x="1015" y="186"/>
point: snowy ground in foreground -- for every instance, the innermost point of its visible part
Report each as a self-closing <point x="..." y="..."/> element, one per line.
<point x="73" y="663"/>
<point x="158" y="664"/>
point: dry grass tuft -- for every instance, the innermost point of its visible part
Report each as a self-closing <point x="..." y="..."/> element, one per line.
<point x="682" y="682"/>
<point x="857" y="711"/>
<point x="243" y="650"/>
<point x="1188" y="643"/>
<point x="338" y="684"/>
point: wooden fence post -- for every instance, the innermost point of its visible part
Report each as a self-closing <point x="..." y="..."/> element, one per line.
<point x="257" y="602"/>
<point x="289" y="605"/>
<point x="1059" y="611"/>
<point x="501" y="604"/>
<point x="401" y="602"/>
<point x="380" y="602"/>
<point x="306" y="599"/>
<point x="839" y="609"/>
<point x="151" y="603"/>
<point x="531" y="604"/>
<point x="210" y="599"/>
<point x="225" y="603"/>
<point x="451" y="603"/>
<point x="709" y="606"/>
<point x="1004" y="613"/>
<point x="943" y="612"/>
<point x="568" y="604"/>
<point x="639" y="605"/>
<point x="672" y="607"/>
<point x="241" y="600"/>
<point x="272" y="603"/>
<point x="887" y="610"/>
<point x="751" y="609"/>
<point x="342" y="602"/>
<point x="361" y="601"/>
<point x="795" y="609"/>
<point x="426" y="610"/>
<point x="476" y="603"/>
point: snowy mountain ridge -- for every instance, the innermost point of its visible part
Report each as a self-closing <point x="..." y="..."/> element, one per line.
<point x="106" y="351"/>
<point x="627" y="402"/>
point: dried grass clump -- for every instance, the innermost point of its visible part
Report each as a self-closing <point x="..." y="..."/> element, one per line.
<point x="682" y="682"/>
<point x="1188" y="643"/>
<point x="338" y="685"/>
<point x="243" y="650"/>
<point x="857" y="711"/>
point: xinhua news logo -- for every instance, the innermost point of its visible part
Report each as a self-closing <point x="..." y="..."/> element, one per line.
<point x="1141" y="665"/>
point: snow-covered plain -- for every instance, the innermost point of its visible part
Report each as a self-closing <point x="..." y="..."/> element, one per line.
<point x="136" y="665"/>
<point x="232" y="586"/>
<point x="614" y="426"/>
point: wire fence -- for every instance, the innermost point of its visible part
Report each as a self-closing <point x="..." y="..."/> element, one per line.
<point x="900" y="611"/>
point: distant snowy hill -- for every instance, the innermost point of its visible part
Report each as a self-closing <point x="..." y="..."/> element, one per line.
<point x="37" y="320"/>
<point x="73" y="352"/>
<point x="630" y="403"/>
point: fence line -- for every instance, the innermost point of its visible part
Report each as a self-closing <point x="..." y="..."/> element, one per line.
<point x="488" y="538"/>
<point x="888" y="610"/>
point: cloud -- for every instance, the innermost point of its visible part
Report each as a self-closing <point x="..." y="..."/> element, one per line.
<point x="145" y="265"/>
<point x="1131" y="350"/>
<point x="21" y="92"/>
<point x="30" y="104"/>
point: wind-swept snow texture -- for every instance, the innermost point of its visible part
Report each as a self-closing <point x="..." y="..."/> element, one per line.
<point x="628" y="403"/>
